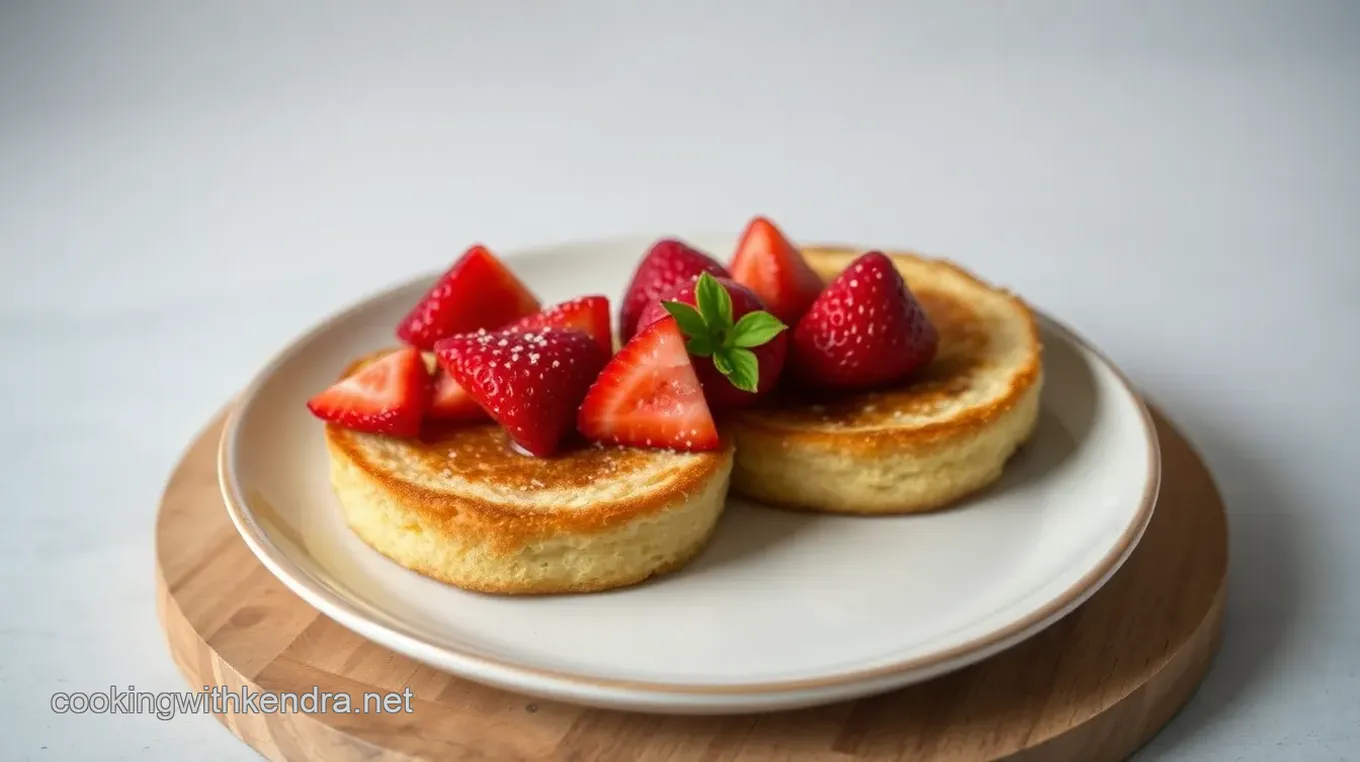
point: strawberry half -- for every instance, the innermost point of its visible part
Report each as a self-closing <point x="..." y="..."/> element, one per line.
<point x="450" y="402"/>
<point x="667" y="265"/>
<point x="649" y="396"/>
<point x="530" y="383"/>
<point x="768" y="264"/>
<point x="721" y="340"/>
<point x="587" y="314"/>
<point x="387" y="396"/>
<point x="865" y="329"/>
<point x="478" y="291"/>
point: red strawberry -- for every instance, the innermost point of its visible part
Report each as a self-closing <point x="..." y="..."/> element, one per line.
<point x="866" y="329"/>
<point x="667" y="265"/>
<point x="649" y="396"/>
<point x="530" y="383"/>
<point x="449" y="402"/>
<point x="477" y="292"/>
<point x="770" y="266"/>
<point x="588" y="314"/>
<point x="719" y="389"/>
<point x="387" y="396"/>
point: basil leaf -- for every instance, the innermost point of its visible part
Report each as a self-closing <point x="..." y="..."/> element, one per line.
<point x="715" y="304"/>
<point x="745" y="373"/>
<point x="755" y="328"/>
<point x="690" y="321"/>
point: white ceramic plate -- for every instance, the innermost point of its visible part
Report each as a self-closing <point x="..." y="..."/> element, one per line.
<point x="781" y="610"/>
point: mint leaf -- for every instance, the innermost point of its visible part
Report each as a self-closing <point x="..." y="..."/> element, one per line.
<point x="745" y="373"/>
<point x="722" y="360"/>
<point x="754" y="329"/>
<point x="715" y="304"/>
<point x="739" y="366"/>
<point x="690" y="321"/>
<point x="700" y="346"/>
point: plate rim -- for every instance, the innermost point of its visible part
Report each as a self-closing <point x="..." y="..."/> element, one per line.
<point x="345" y="612"/>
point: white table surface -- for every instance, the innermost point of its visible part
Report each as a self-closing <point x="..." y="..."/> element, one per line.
<point x="183" y="189"/>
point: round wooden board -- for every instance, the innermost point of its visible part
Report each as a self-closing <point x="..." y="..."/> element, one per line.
<point x="1094" y="686"/>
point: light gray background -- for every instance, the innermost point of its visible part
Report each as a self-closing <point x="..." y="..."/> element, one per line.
<point x="185" y="186"/>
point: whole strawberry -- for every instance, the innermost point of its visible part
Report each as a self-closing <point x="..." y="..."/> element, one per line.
<point x="669" y="264"/>
<point x="738" y="348"/>
<point x="531" y="383"/>
<point x="865" y="329"/>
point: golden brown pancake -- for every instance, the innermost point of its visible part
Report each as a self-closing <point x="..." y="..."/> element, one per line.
<point x="921" y="444"/>
<point x="462" y="506"/>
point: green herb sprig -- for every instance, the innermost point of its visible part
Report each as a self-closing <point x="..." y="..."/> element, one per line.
<point x="710" y="332"/>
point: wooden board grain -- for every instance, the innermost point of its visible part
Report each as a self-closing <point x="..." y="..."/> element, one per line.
<point x="1095" y="686"/>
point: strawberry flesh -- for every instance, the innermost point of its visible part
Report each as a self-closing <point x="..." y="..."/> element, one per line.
<point x="478" y="291"/>
<point x="667" y="265"/>
<point x="531" y="383"/>
<point x="388" y="396"/>
<point x="450" y="402"/>
<point x="866" y="329"/>
<point x="649" y="396"/>
<point x="718" y="390"/>
<point x="768" y="264"/>
<point x="588" y="314"/>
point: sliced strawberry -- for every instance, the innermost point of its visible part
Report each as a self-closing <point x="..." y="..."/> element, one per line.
<point x="866" y="329"/>
<point x="588" y="314"/>
<point x="769" y="265"/>
<point x="719" y="390"/>
<point x="478" y="291"/>
<point x="649" y="396"/>
<point x="668" y="264"/>
<point x="387" y="396"/>
<point x="450" y="402"/>
<point x="530" y="383"/>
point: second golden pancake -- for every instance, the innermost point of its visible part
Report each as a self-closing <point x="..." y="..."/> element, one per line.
<point x="923" y="444"/>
